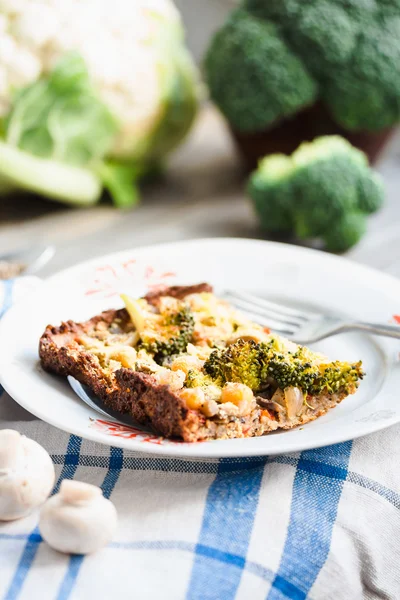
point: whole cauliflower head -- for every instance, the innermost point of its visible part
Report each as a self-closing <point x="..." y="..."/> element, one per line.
<point x="135" y="59"/>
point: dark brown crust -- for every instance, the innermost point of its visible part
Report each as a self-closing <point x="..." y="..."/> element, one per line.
<point x="178" y="291"/>
<point x="134" y="393"/>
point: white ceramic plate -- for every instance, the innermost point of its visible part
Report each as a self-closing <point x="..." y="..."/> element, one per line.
<point x="296" y="276"/>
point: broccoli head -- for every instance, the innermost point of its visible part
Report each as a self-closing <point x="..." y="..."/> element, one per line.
<point x="294" y="371"/>
<point x="197" y="378"/>
<point x="267" y="365"/>
<point x="370" y="193"/>
<point x="363" y="11"/>
<point x="366" y="95"/>
<point x="338" y="376"/>
<point x="238" y="363"/>
<point x="253" y="75"/>
<point x="171" y="336"/>
<point x="324" y="36"/>
<point x="274" y="57"/>
<point x="389" y="7"/>
<point x="325" y="190"/>
<point x="346" y="231"/>
<point x="322" y="197"/>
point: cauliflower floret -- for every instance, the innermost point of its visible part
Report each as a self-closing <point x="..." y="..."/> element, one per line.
<point x="12" y="7"/>
<point x="7" y="49"/>
<point x="3" y="24"/>
<point x="24" y="67"/>
<point x="36" y="25"/>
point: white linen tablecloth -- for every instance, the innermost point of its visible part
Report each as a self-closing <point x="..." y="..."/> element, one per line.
<point x="322" y="524"/>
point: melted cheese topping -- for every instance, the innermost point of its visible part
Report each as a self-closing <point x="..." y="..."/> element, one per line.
<point x="216" y="323"/>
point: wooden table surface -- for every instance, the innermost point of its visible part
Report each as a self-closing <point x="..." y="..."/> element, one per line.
<point x="201" y="195"/>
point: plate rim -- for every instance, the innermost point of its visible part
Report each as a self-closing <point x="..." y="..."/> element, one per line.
<point x="220" y="240"/>
<point x="194" y="450"/>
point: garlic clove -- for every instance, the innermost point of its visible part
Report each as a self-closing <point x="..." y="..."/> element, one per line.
<point x="294" y="401"/>
<point x="78" y="520"/>
<point x="26" y="475"/>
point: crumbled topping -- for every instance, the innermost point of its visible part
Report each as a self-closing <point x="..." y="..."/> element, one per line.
<point x="219" y="362"/>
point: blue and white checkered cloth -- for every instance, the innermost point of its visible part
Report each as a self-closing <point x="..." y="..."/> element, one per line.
<point x="322" y="524"/>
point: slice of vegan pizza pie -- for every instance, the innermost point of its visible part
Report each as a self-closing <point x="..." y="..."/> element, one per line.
<point x="190" y="366"/>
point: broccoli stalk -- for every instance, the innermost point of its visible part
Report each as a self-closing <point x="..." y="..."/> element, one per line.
<point x="324" y="190"/>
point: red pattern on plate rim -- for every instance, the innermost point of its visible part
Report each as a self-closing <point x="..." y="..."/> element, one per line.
<point x="108" y="280"/>
<point x="396" y="318"/>
<point x="128" y="432"/>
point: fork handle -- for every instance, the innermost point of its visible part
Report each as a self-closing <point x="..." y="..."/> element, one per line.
<point x="374" y="328"/>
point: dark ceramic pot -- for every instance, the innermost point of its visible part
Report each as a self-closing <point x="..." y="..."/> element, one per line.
<point x="305" y="126"/>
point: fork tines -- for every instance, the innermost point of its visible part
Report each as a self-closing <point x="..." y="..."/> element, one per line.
<point x="269" y="313"/>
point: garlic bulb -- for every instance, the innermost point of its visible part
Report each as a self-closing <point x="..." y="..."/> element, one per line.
<point x="26" y="475"/>
<point x="78" y="520"/>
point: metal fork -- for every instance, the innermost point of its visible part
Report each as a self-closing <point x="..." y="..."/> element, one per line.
<point x="25" y="261"/>
<point x="89" y="398"/>
<point x="302" y="327"/>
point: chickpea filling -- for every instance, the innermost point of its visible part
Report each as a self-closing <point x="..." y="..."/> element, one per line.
<point x="218" y="361"/>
